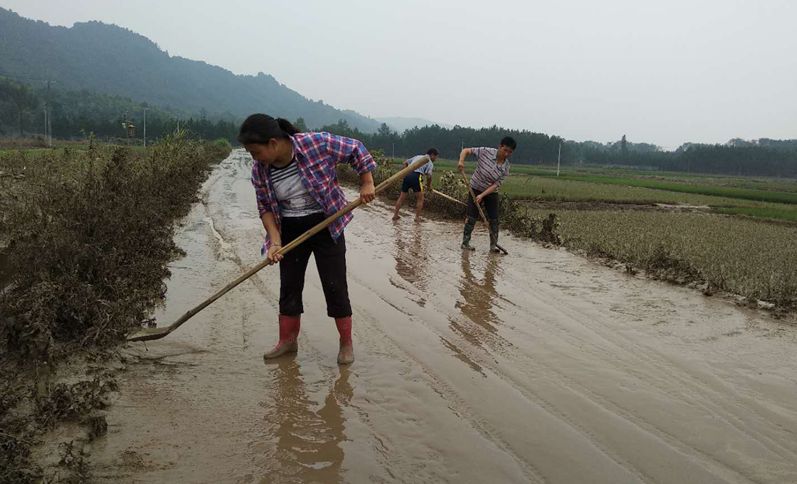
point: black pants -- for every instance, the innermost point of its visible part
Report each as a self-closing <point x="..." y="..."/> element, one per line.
<point x="490" y="203"/>
<point x="330" y="258"/>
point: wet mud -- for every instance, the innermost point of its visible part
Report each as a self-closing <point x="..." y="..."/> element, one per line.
<point x="539" y="366"/>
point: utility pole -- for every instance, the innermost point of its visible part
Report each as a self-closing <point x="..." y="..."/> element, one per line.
<point x="145" y="127"/>
<point x="559" y="159"/>
<point x="49" y="134"/>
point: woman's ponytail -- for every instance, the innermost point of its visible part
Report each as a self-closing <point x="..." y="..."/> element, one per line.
<point x="286" y="126"/>
<point x="259" y="128"/>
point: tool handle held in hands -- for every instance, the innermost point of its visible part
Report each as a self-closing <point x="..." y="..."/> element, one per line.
<point x="481" y="212"/>
<point x="157" y="333"/>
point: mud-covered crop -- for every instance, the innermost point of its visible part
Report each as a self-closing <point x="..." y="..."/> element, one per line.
<point x="754" y="259"/>
<point x="87" y="236"/>
<point x="85" y="239"/>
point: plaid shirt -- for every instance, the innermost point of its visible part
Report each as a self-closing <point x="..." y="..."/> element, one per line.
<point x="317" y="155"/>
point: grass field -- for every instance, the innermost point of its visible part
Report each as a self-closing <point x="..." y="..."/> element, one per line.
<point x="765" y="198"/>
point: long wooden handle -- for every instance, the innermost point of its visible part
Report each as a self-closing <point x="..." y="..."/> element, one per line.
<point x="447" y="197"/>
<point x="478" y="205"/>
<point x="157" y="333"/>
<point x="481" y="212"/>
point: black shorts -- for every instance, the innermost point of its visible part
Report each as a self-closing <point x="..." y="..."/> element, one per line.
<point x="414" y="182"/>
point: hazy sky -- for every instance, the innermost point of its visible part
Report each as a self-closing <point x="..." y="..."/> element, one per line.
<point x="663" y="72"/>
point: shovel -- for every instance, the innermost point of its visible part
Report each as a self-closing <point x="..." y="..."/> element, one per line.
<point x="147" y="334"/>
<point x="481" y="212"/>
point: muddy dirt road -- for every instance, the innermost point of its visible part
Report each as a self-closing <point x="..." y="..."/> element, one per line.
<point x="535" y="367"/>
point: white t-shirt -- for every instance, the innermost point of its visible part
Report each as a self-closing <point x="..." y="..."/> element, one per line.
<point x="293" y="198"/>
<point x="425" y="169"/>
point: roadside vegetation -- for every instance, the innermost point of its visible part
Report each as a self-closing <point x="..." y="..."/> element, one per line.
<point x="751" y="258"/>
<point x="85" y="238"/>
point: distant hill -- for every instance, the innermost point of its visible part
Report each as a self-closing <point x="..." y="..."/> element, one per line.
<point x="113" y="60"/>
<point x="402" y="124"/>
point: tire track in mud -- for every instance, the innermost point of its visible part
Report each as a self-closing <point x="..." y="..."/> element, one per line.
<point x="377" y="338"/>
<point x="577" y="390"/>
<point x="679" y="378"/>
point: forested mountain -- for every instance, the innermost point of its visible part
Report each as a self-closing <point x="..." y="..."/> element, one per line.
<point x="108" y="59"/>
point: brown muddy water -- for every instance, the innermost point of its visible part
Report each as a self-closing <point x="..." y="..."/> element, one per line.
<point x="539" y="366"/>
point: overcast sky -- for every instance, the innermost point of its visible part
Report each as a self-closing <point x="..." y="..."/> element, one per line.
<point x="658" y="71"/>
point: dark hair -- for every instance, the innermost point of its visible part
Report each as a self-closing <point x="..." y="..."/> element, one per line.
<point x="432" y="151"/>
<point x="259" y="128"/>
<point x="509" y="142"/>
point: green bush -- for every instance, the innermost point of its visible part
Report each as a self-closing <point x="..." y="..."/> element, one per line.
<point x="222" y="143"/>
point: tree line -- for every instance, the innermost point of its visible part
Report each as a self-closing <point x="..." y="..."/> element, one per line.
<point x="763" y="157"/>
<point x="75" y="114"/>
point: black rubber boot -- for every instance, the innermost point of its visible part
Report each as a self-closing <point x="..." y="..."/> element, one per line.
<point x="494" y="236"/>
<point x="469" y="225"/>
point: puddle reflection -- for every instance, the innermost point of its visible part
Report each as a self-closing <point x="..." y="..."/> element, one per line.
<point x="412" y="258"/>
<point x="308" y="441"/>
<point x="479" y="293"/>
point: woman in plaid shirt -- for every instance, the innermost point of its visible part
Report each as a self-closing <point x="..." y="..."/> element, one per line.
<point x="297" y="187"/>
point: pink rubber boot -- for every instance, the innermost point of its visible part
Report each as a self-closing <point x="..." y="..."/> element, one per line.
<point x="289" y="331"/>
<point x="346" y="353"/>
